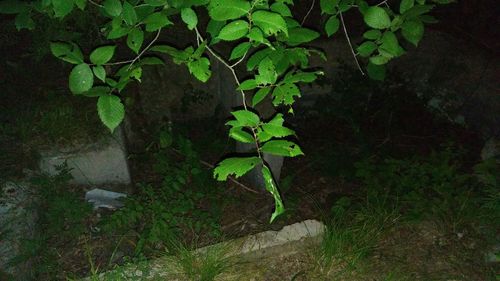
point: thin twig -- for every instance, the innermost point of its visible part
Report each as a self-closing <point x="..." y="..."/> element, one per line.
<point x="233" y="72"/>
<point x="95" y="4"/>
<point x="145" y="49"/>
<point x="350" y="45"/>
<point x="240" y="60"/>
<point x="308" y="12"/>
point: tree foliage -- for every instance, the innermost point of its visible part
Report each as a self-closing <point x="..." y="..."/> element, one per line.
<point x="270" y="41"/>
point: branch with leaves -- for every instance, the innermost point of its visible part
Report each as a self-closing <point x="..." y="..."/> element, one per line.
<point x="268" y="39"/>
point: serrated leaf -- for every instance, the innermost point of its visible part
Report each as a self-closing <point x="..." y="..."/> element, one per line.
<point x="189" y="17"/>
<point x="99" y="72"/>
<point x="156" y="21"/>
<point x="277" y="130"/>
<point x="135" y="39"/>
<point x="221" y="10"/>
<point x="234" y="30"/>
<point x="332" y="25"/>
<point x="111" y="111"/>
<point x="112" y="7"/>
<point x="62" y="7"/>
<point x="102" y="55"/>
<point x="284" y="94"/>
<point x="81" y="79"/>
<point x="246" y="118"/>
<point x="236" y="165"/>
<point x="406" y="5"/>
<point x="413" y="31"/>
<point x="282" y="148"/>
<point x="269" y="182"/>
<point x="367" y="48"/>
<point x="238" y="134"/>
<point x="281" y="9"/>
<point x="129" y="14"/>
<point x="267" y="72"/>
<point x="260" y="95"/>
<point x="300" y="35"/>
<point x="240" y="50"/>
<point x="376" y="17"/>
<point x="200" y="68"/>
<point x="271" y="23"/>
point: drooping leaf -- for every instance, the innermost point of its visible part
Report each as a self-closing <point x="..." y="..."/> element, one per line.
<point x="376" y="17"/>
<point x="236" y="165"/>
<point x="129" y="14"/>
<point x="329" y="6"/>
<point x="81" y="79"/>
<point x="300" y="35"/>
<point x="234" y="30"/>
<point x="240" y="135"/>
<point x="222" y="10"/>
<point x="246" y="118"/>
<point x="111" y="111"/>
<point x="102" y="55"/>
<point x="189" y="17"/>
<point x="270" y="184"/>
<point x="200" y="68"/>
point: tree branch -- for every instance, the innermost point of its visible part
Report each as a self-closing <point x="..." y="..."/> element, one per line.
<point x="349" y="42"/>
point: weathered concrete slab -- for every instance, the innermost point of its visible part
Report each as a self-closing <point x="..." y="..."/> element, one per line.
<point x="17" y="224"/>
<point x="92" y="164"/>
<point x="244" y="254"/>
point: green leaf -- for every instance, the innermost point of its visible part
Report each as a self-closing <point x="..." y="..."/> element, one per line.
<point x="379" y="60"/>
<point x="300" y="35"/>
<point x="129" y="14"/>
<point x="240" y="50"/>
<point x="62" y="7"/>
<point x="376" y="17"/>
<point x="306" y="77"/>
<point x="99" y="72"/>
<point x="200" y="69"/>
<point x="282" y="148"/>
<point x="156" y="21"/>
<point x="269" y="182"/>
<point x="24" y="21"/>
<point x="249" y="84"/>
<point x="276" y="130"/>
<point x="329" y="6"/>
<point x="213" y="28"/>
<point x="81" y="4"/>
<point x="151" y="61"/>
<point x="281" y="9"/>
<point x="260" y="95"/>
<point x="112" y="7"/>
<point x="267" y="73"/>
<point x="221" y="10"/>
<point x="156" y="3"/>
<point x="236" y="165"/>
<point x="81" y="79"/>
<point x="376" y="72"/>
<point x="97" y="91"/>
<point x="102" y="55"/>
<point x="189" y="17"/>
<point x="117" y="32"/>
<point x="373" y="34"/>
<point x="390" y="44"/>
<point x="367" y="48"/>
<point x="238" y="134"/>
<point x="413" y="31"/>
<point x="417" y="10"/>
<point x="271" y="23"/>
<point x="406" y="5"/>
<point x="256" y="57"/>
<point x="332" y="25"/>
<point x="234" y="30"/>
<point x="135" y="39"/>
<point x="246" y="118"/>
<point x="11" y="7"/>
<point x="284" y="94"/>
<point x="111" y="111"/>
